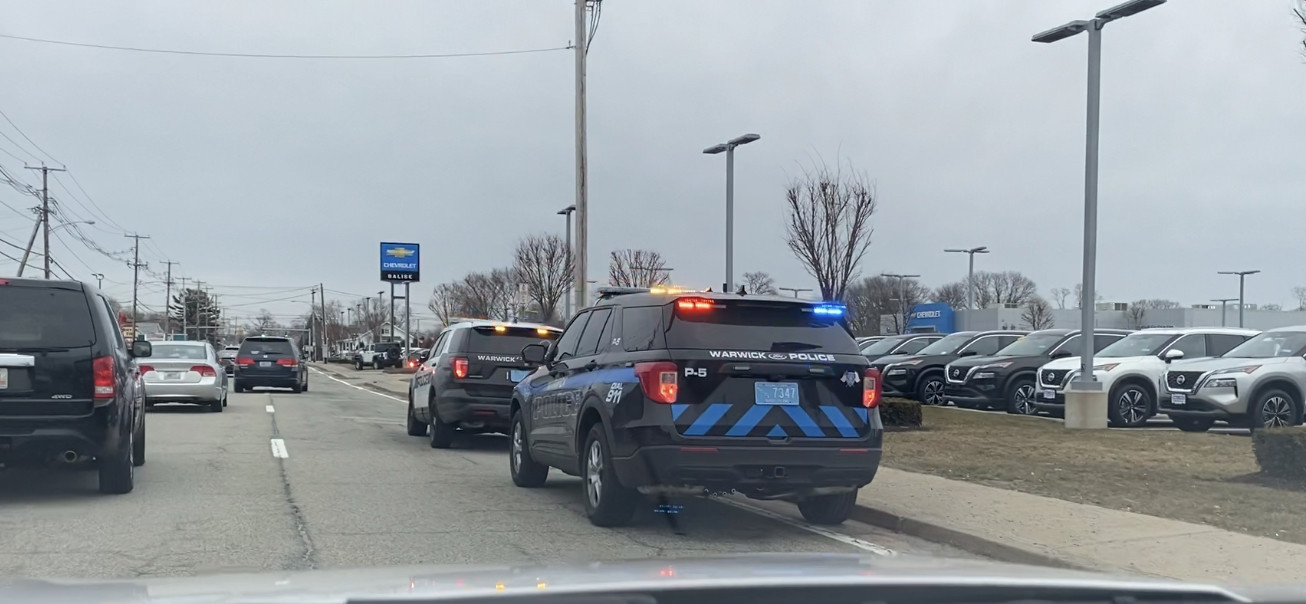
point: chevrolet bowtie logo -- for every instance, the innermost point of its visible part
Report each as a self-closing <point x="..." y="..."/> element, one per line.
<point x="400" y="252"/>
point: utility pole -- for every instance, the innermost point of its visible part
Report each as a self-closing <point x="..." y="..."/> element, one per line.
<point x="31" y="241"/>
<point x="45" y="210"/>
<point x="185" y="308"/>
<point x="582" y="167"/>
<point x="167" y="300"/>
<point x="136" y="275"/>
<point x="322" y="288"/>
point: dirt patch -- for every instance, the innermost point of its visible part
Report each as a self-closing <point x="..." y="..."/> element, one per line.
<point x="1204" y="478"/>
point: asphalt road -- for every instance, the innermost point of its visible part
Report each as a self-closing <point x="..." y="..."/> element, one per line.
<point x="329" y="479"/>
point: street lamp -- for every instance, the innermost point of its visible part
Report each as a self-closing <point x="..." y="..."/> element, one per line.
<point x="1085" y="400"/>
<point x="970" y="274"/>
<point x="1242" y="276"/>
<point x="729" y="148"/>
<point x="902" y="296"/>
<point x="99" y="280"/>
<point x="1224" y="302"/>
<point x="795" y="290"/>
<point x="566" y="297"/>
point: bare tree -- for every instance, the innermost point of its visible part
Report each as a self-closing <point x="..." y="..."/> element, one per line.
<point x="1299" y="293"/>
<point x="1136" y="313"/>
<point x="1006" y="287"/>
<point x="543" y="264"/>
<point x="1061" y="294"/>
<point x="759" y="282"/>
<point x="444" y="302"/>
<point x="829" y="225"/>
<point x="873" y="299"/>
<point x="1300" y="12"/>
<point x="637" y="268"/>
<point x="1037" y="314"/>
<point x="480" y="296"/>
<point x="952" y="294"/>
<point x="1078" y="296"/>
<point x="1159" y="304"/>
<point x="262" y="322"/>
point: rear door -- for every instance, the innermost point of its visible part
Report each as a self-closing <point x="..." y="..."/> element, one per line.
<point x="764" y="370"/>
<point x="268" y="358"/>
<point x="47" y="344"/>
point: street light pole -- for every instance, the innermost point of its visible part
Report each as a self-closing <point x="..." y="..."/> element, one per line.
<point x="902" y="296"/>
<point x="729" y="148"/>
<point x="99" y="280"/>
<point x="1242" y="303"/>
<point x="1224" y="303"/>
<point x="970" y="273"/>
<point x="1087" y="392"/>
<point x="571" y="265"/>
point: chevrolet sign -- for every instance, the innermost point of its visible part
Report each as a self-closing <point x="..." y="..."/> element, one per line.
<point x="400" y="262"/>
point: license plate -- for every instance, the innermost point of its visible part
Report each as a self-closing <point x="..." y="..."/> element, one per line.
<point x="775" y="393"/>
<point x="517" y="375"/>
<point x="4" y="378"/>
<point x="1178" y="400"/>
<point x="1049" y="394"/>
<point x="265" y="363"/>
<point x="171" y="375"/>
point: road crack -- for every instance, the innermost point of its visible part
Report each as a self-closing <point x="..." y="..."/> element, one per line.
<point x="307" y="557"/>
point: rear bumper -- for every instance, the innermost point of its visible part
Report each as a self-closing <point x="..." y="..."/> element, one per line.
<point x="975" y="395"/>
<point x="755" y="470"/>
<point x="289" y="381"/>
<point x="455" y="405"/>
<point x="35" y="440"/>
<point x="164" y="392"/>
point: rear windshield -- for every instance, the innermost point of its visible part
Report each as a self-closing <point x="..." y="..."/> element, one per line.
<point x="281" y="347"/>
<point x="509" y="341"/>
<point x="178" y="351"/>
<point x="44" y="317"/>
<point x="757" y="326"/>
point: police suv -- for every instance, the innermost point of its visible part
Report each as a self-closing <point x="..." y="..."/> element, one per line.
<point x="698" y="393"/>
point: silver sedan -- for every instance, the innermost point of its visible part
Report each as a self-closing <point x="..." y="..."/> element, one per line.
<point x="184" y="372"/>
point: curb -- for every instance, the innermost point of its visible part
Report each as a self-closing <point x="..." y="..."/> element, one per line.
<point x="370" y="386"/>
<point x="960" y="539"/>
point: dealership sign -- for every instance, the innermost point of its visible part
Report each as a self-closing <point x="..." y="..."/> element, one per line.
<point x="400" y="262"/>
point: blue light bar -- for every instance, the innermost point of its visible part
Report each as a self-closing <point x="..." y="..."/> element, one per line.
<point x="829" y="310"/>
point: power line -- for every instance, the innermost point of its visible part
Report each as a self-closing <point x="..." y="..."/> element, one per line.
<point x="245" y="55"/>
<point x="29" y="139"/>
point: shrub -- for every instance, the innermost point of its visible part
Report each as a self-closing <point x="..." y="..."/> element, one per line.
<point x="900" y="414"/>
<point x="1281" y="452"/>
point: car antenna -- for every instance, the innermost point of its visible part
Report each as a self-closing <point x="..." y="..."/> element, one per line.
<point x="741" y="291"/>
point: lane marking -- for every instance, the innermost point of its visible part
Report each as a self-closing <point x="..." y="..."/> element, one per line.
<point x="861" y="544"/>
<point x="279" y="449"/>
<point x="356" y="387"/>
<point x="270" y="409"/>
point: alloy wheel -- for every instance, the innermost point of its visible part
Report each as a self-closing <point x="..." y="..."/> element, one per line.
<point x="934" y="392"/>
<point x="1025" y="399"/>
<point x="594" y="474"/>
<point x="1132" y="406"/>
<point x="1276" y="411"/>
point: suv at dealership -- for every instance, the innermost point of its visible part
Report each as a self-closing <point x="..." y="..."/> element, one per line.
<point x="920" y="376"/>
<point x="1259" y="384"/>
<point x="908" y="343"/>
<point x="1130" y="369"/>
<point x="70" y="389"/>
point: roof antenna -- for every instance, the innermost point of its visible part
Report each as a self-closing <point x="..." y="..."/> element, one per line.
<point x="741" y="291"/>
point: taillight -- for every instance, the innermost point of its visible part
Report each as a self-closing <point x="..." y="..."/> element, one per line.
<point x="204" y="371"/>
<point x="102" y="372"/>
<point x="288" y="362"/>
<point x="871" y="388"/>
<point x="243" y="361"/>
<point x="659" y="381"/>
<point x="146" y="369"/>
<point x="694" y="304"/>
<point x="459" y="367"/>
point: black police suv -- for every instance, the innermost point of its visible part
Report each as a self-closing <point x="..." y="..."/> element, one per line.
<point x="1006" y="380"/>
<point x="270" y="362"/>
<point x="649" y="392"/>
<point x="910" y="343"/>
<point x="466" y="379"/>
<point x="70" y="389"/>
<point x="920" y="376"/>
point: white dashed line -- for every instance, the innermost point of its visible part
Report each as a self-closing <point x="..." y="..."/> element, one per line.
<point x="279" y="449"/>
<point x="861" y="544"/>
<point x="270" y="409"/>
<point x="356" y="387"/>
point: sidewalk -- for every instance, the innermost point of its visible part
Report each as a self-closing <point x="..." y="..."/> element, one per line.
<point x="1030" y="529"/>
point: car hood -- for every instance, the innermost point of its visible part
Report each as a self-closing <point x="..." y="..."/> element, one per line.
<point x="977" y="361"/>
<point x="1223" y="363"/>
<point x="890" y="359"/>
<point x="758" y="571"/>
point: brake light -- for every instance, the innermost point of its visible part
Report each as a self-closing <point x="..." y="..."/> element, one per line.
<point x="204" y="371"/>
<point x="694" y="304"/>
<point x="659" y="380"/>
<point x="460" y="367"/>
<point x="146" y="369"/>
<point x="871" y="388"/>
<point x="102" y="376"/>
<point x="243" y="361"/>
<point x="288" y="362"/>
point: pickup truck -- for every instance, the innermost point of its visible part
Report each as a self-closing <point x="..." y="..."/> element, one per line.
<point x="378" y="356"/>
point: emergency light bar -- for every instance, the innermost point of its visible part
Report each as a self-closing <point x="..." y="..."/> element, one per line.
<point x="828" y="310"/>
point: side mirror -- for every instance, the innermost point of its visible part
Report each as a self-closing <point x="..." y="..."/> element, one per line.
<point x="424" y="356"/>
<point x="142" y="349"/>
<point x="534" y="354"/>
<point x="968" y="353"/>
<point x="1172" y="354"/>
<point x="1061" y="354"/>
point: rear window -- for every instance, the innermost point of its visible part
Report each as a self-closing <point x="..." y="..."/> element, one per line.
<point x="489" y="340"/>
<point x="44" y="317"/>
<point x="178" y="351"/>
<point x="281" y="347"/>
<point x="758" y="326"/>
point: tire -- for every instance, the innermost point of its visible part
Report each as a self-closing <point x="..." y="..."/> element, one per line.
<point x="441" y="433"/>
<point x="526" y="472"/>
<point x="415" y="428"/>
<point x="305" y="388"/>
<point x="1193" y="424"/>
<point x="1274" y="408"/>
<point x="1129" y="405"/>
<point x="607" y="502"/>
<point x="138" y="447"/>
<point x="216" y="406"/>
<point x="930" y="390"/>
<point x="118" y="470"/>
<point x="1020" y="397"/>
<point x="358" y="365"/>
<point x="828" y="509"/>
<point x="296" y="388"/>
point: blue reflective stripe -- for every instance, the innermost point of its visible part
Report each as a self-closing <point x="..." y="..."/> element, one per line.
<point x="804" y="421"/>
<point x="840" y="422"/>
<point x="748" y="421"/>
<point x="677" y="409"/>
<point x="707" y="419"/>
<point x="863" y="413"/>
<point x="777" y="432"/>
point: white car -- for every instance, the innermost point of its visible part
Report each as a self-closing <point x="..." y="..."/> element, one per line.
<point x="1130" y="370"/>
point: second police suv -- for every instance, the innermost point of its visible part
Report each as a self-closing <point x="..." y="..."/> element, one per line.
<point x="657" y="392"/>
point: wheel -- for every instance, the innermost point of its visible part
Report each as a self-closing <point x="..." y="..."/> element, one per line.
<point x="358" y="365"/>
<point x="118" y="470"/>
<point x="216" y="406"/>
<point x="138" y="447"/>
<point x="828" y="509"/>
<point x="1020" y="397"/>
<point x="607" y="503"/>
<point x="441" y="433"/>
<point x="1130" y="405"/>
<point x="415" y="428"/>
<point x="305" y="387"/>
<point x="1273" y="408"/>
<point x="930" y="390"/>
<point x="526" y="472"/>
<point x="1193" y="424"/>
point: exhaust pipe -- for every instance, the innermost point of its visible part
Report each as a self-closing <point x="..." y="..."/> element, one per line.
<point x="69" y="456"/>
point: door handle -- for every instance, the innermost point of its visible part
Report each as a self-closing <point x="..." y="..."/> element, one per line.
<point x="591" y="366"/>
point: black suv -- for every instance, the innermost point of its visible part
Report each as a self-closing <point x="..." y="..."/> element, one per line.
<point x="270" y="362"/>
<point x="920" y="376"/>
<point x="680" y="393"/>
<point x="466" y="379"/>
<point x="70" y="390"/>
<point x="909" y="343"/>
<point x="1006" y="379"/>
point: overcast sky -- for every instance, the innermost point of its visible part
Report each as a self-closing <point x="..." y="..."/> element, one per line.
<point x="282" y="173"/>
